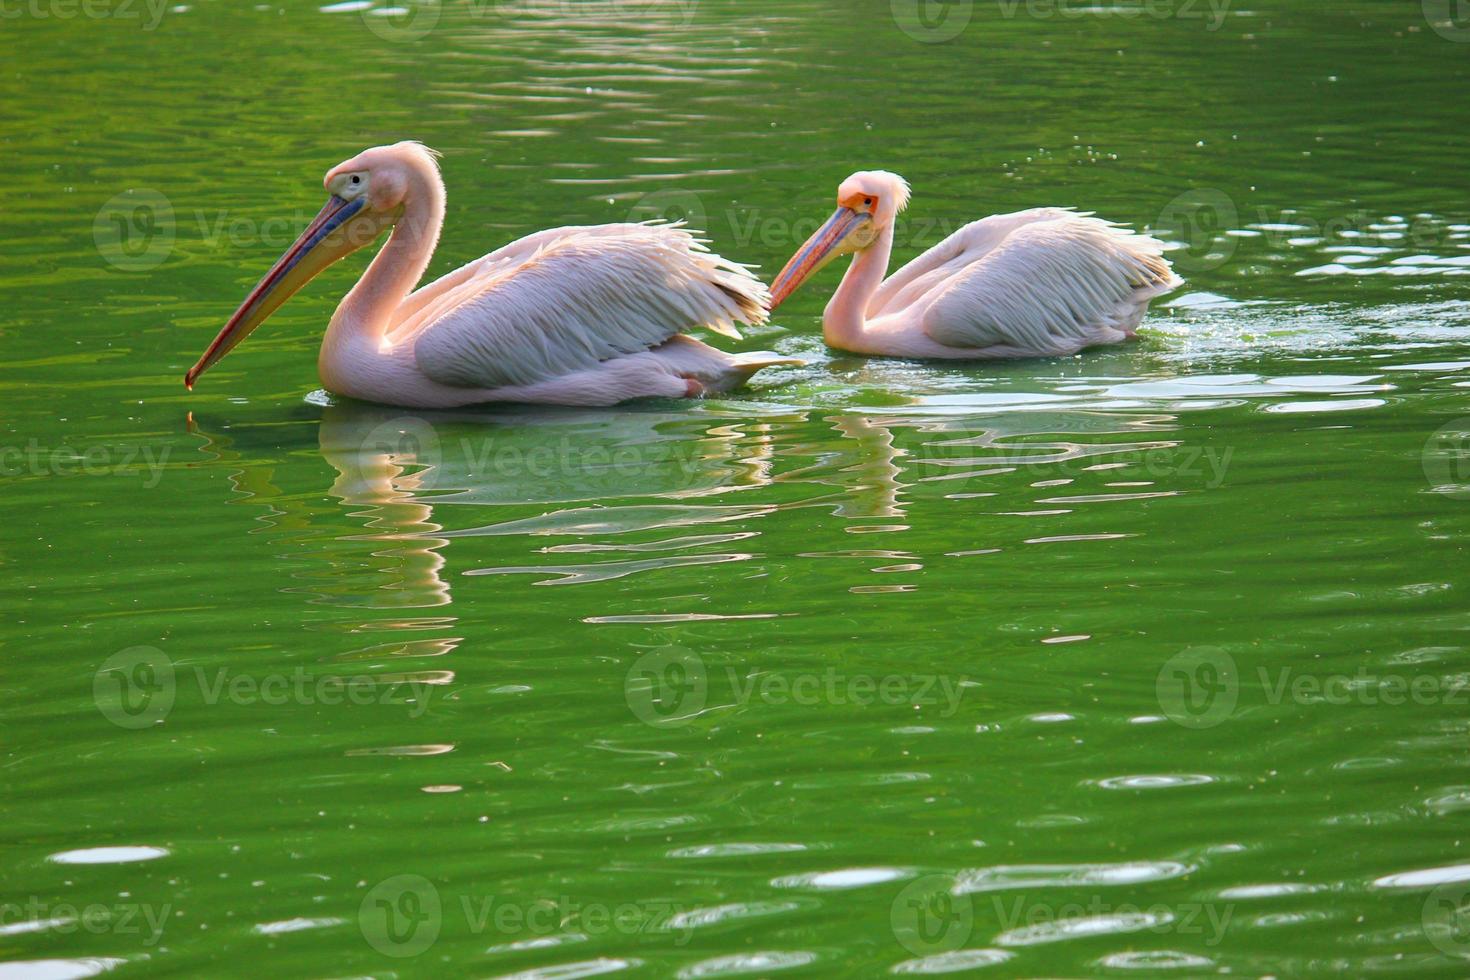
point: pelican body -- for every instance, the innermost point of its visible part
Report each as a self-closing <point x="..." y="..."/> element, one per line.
<point x="1042" y="282"/>
<point x="587" y="315"/>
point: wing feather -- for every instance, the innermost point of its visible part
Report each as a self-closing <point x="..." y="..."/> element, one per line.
<point x="1050" y="286"/>
<point x="966" y="245"/>
<point x="577" y="299"/>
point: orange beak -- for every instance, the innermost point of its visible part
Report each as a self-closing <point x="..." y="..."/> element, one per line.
<point x="834" y="238"/>
<point x="327" y="239"/>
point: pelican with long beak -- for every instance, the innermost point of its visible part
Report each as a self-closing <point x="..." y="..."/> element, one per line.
<point x="1042" y="282"/>
<point x="585" y="315"/>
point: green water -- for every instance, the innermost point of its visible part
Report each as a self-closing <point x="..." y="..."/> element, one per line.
<point x="1148" y="661"/>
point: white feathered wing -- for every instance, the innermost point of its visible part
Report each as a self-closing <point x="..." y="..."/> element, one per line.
<point x="1043" y="281"/>
<point x="567" y="299"/>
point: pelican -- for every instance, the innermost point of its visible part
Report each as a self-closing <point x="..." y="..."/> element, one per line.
<point x="585" y="315"/>
<point x="1042" y="282"/>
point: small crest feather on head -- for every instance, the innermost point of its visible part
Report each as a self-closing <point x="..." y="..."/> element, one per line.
<point x="888" y="187"/>
<point x="411" y="152"/>
<point x="427" y="153"/>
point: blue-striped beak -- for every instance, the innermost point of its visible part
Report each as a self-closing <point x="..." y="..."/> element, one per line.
<point x="328" y="238"/>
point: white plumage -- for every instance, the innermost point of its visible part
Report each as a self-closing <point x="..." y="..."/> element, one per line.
<point x="590" y="315"/>
<point x="1045" y="281"/>
<point x="580" y="297"/>
<point x="1057" y="282"/>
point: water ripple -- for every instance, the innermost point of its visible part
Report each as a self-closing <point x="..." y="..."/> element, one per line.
<point x="1002" y="877"/>
<point x="744" y="963"/>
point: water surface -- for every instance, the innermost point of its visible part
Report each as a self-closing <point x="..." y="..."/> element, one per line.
<point x="1151" y="660"/>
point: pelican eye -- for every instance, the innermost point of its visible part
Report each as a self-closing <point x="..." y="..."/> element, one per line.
<point x="868" y="201"/>
<point x="356" y="179"/>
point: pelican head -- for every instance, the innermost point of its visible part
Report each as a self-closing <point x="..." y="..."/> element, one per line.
<point x="867" y="203"/>
<point x="366" y="196"/>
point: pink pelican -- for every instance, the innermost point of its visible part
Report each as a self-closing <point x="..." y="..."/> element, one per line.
<point x="1042" y="282"/>
<point x="586" y="315"/>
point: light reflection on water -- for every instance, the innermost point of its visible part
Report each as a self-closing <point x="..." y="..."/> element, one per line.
<point x="573" y="482"/>
<point x="1273" y="474"/>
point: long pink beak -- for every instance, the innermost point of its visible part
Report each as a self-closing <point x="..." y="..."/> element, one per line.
<point x="301" y="262"/>
<point x="819" y="249"/>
